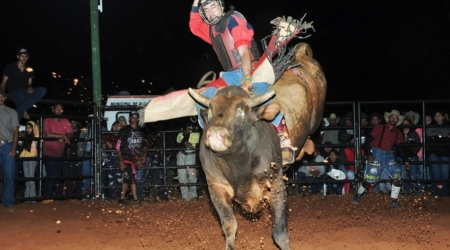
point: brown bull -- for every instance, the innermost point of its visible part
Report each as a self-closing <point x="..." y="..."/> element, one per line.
<point x="301" y="95"/>
<point x="240" y="151"/>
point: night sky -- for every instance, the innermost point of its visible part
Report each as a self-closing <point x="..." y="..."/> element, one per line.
<point x="369" y="50"/>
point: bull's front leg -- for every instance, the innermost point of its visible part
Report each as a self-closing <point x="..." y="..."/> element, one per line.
<point x="279" y="212"/>
<point x="221" y="198"/>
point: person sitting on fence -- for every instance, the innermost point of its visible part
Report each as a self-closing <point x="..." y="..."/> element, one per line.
<point x="18" y="81"/>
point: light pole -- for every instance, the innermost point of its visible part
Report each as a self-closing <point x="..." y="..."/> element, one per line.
<point x="95" y="49"/>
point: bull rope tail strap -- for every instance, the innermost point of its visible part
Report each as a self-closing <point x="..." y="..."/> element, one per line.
<point x="278" y="46"/>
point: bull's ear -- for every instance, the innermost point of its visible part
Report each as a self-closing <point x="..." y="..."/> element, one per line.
<point x="268" y="112"/>
<point x="204" y="115"/>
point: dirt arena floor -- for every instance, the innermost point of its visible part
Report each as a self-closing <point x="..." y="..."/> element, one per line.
<point x="315" y="222"/>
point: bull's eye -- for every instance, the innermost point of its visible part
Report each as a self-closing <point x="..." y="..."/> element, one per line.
<point x="241" y="112"/>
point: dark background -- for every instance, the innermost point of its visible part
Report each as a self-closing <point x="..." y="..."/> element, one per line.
<point x="369" y="50"/>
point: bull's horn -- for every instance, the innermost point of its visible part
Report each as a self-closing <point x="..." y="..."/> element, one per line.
<point x="257" y="100"/>
<point x="203" y="100"/>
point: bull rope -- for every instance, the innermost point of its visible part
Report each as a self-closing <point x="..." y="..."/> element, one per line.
<point x="280" y="59"/>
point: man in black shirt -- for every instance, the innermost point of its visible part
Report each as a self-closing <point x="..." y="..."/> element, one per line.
<point x="18" y="81"/>
<point x="132" y="152"/>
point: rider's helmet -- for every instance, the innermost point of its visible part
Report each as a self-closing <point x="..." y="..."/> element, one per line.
<point x="215" y="20"/>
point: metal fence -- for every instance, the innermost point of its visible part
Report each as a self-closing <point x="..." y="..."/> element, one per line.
<point x="355" y="111"/>
<point x="163" y="144"/>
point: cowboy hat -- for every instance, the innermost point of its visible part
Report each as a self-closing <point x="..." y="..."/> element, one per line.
<point x="416" y="116"/>
<point x="337" y="174"/>
<point x="394" y="112"/>
<point x="333" y="116"/>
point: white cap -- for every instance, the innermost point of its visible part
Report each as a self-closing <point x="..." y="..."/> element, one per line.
<point x="337" y="174"/>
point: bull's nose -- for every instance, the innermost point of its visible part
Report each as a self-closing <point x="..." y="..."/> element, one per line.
<point x="217" y="139"/>
<point x="220" y="132"/>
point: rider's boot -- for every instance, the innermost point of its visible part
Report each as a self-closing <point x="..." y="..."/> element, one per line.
<point x="287" y="150"/>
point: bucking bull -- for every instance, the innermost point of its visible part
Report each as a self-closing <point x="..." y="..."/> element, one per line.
<point x="240" y="150"/>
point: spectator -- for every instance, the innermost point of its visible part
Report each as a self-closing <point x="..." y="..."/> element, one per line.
<point x="29" y="149"/>
<point x="346" y="136"/>
<point x="317" y="136"/>
<point x="334" y="163"/>
<point x="123" y="121"/>
<point x="157" y="178"/>
<point x="73" y="167"/>
<point x="18" y="80"/>
<point x="410" y="153"/>
<point x="132" y="151"/>
<point x="439" y="134"/>
<point x="171" y="161"/>
<point x="312" y="173"/>
<point x="86" y="148"/>
<point x="349" y="169"/>
<point x="331" y="135"/>
<point x="187" y="159"/>
<point x="415" y="118"/>
<point x="380" y="154"/>
<point x="112" y="177"/>
<point x="60" y="129"/>
<point x="428" y="119"/>
<point x="364" y="122"/>
<point x="325" y="152"/>
<point x="9" y="135"/>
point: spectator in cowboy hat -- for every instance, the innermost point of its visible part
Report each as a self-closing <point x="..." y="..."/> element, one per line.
<point x="414" y="117"/>
<point x="331" y="135"/>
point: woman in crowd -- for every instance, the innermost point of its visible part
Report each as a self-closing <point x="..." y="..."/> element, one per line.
<point x="438" y="133"/>
<point x="410" y="152"/>
<point x="29" y="167"/>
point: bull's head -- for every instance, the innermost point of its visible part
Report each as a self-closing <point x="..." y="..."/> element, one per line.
<point x="230" y="112"/>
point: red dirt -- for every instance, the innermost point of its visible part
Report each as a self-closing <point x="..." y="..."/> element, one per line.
<point x="315" y="222"/>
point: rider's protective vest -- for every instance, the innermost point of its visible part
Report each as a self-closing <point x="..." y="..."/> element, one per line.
<point x="223" y="44"/>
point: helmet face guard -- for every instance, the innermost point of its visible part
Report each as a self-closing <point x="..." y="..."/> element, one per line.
<point x="203" y="3"/>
